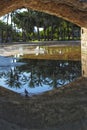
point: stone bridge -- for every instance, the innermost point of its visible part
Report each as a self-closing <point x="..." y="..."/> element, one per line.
<point x="71" y="10"/>
<point x="74" y="11"/>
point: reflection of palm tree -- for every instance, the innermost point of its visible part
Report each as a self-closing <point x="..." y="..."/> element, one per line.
<point x="35" y="77"/>
<point x="45" y="72"/>
<point x="42" y="73"/>
<point x="13" y="79"/>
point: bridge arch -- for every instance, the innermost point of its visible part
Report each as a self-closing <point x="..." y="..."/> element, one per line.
<point x="74" y="11"/>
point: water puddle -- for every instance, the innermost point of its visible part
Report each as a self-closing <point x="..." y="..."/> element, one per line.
<point x="32" y="70"/>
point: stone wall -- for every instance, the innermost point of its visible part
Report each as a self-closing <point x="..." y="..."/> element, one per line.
<point x="84" y="51"/>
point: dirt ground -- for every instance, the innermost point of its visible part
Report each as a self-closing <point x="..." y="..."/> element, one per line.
<point x="60" y="109"/>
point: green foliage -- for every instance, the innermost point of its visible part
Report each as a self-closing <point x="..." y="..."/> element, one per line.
<point x="54" y="28"/>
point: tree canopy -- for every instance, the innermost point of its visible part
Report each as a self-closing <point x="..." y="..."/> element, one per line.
<point x="23" y="23"/>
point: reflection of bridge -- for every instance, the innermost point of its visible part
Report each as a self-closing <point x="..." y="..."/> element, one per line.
<point x="72" y="10"/>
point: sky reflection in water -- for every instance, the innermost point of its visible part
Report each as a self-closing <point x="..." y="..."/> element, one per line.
<point x="43" y="70"/>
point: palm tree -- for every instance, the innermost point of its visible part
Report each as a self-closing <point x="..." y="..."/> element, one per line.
<point x="2" y="27"/>
<point x="53" y="27"/>
<point x="7" y="30"/>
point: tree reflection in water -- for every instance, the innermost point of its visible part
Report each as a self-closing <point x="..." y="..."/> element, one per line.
<point x="13" y="79"/>
<point x="40" y="73"/>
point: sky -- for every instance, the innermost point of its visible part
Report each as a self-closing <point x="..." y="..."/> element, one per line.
<point x="2" y="18"/>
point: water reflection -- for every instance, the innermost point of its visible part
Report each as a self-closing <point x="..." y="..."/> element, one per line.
<point x="40" y="75"/>
<point x="35" y="69"/>
<point x="43" y="52"/>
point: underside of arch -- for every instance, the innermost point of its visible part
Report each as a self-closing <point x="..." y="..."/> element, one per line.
<point x="74" y="11"/>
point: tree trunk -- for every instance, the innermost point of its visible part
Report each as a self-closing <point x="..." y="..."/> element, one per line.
<point x="38" y="33"/>
<point x="52" y="32"/>
<point x="7" y="31"/>
<point x="44" y="33"/>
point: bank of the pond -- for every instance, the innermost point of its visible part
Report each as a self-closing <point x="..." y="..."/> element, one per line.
<point x="60" y="109"/>
<point x="44" y="43"/>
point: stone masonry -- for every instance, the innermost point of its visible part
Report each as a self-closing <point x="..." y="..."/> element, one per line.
<point x="74" y="11"/>
<point x="84" y="51"/>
